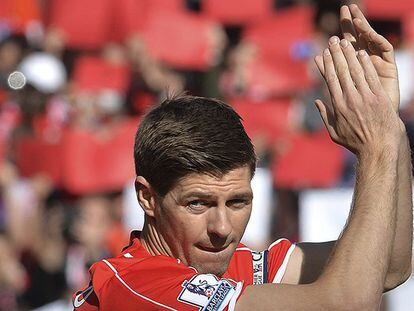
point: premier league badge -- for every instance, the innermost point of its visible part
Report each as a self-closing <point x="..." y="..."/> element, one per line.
<point x="207" y="292"/>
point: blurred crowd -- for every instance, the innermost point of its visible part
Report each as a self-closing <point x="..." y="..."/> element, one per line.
<point x="92" y="68"/>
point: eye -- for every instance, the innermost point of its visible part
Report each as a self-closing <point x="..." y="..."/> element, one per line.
<point x="197" y="205"/>
<point x="238" y="203"/>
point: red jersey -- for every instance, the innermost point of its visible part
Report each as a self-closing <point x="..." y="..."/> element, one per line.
<point x="136" y="280"/>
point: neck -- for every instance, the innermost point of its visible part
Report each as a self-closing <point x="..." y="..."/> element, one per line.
<point x="152" y="241"/>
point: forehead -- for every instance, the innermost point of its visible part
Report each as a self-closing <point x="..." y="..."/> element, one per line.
<point x="235" y="181"/>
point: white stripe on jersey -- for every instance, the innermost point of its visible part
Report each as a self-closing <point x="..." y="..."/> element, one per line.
<point x="281" y="272"/>
<point x="134" y="292"/>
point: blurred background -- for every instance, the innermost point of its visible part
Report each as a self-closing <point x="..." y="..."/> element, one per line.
<point x="93" y="68"/>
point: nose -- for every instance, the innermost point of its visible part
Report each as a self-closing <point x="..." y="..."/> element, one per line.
<point x="219" y="223"/>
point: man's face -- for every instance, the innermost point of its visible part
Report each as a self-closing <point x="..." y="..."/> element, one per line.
<point x="202" y="219"/>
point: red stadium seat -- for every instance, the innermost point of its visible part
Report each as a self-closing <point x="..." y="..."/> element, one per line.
<point x="3" y="147"/>
<point x="131" y="16"/>
<point x="167" y="5"/>
<point x="179" y="39"/>
<point x="408" y="27"/>
<point x="82" y="162"/>
<point x="277" y="78"/>
<point x="284" y="47"/>
<point x="269" y="120"/>
<point x="99" y="162"/>
<point x="93" y="74"/>
<point x="310" y="161"/>
<point x="86" y="25"/>
<point x="386" y="9"/>
<point x="236" y="12"/>
<point x="19" y="14"/>
<point x="38" y="156"/>
<point x="279" y="35"/>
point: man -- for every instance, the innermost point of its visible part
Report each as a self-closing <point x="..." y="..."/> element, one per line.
<point x="194" y="163"/>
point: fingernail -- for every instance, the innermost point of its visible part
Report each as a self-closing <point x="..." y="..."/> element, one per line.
<point x="333" y="40"/>
<point x="362" y="53"/>
<point x="344" y="43"/>
<point x="326" y="52"/>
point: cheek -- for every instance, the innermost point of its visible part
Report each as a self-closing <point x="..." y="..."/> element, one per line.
<point x="241" y="219"/>
<point x="185" y="236"/>
<point x="193" y="228"/>
<point x="182" y="227"/>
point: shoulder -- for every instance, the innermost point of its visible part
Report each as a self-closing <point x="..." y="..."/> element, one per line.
<point x="126" y="278"/>
<point x="138" y="271"/>
<point x="279" y="254"/>
<point x="258" y="267"/>
<point x="280" y="248"/>
<point x="160" y="282"/>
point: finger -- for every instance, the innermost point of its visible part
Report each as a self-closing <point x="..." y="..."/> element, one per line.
<point x="332" y="81"/>
<point x="355" y="68"/>
<point x="370" y="35"/>
<point x="370" y="73"/>
<point x="375" y="41"/>
<point x="347" y="26"/>
<point x="341" y="66"/>
<point x="326" y="119"/>
<point x="357" y="13"/>
<point x="319" y="63"/>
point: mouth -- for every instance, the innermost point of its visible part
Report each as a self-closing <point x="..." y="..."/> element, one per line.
<point x="212" y="249"/>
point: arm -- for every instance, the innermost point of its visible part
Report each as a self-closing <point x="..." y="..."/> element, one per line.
<point x="309" y="259"/>
<point x="400" y="265"/>
<point x="355" y="25"/>
<point x="361" y="120"/>
<point x="353" y="277"/>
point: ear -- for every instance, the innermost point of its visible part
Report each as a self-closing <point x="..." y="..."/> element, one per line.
<point x="146" y="195"/>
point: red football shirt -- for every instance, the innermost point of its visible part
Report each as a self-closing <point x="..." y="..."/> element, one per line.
<point x="136" y="280"/>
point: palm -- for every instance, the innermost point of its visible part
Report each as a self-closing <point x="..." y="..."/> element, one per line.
<point x="357" y="30"/>
<point x="388" y="75"/>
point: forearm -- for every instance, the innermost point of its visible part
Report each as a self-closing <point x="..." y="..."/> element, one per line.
<point x="400" y="263"/>
<point x="360" y="260"/>
<point x="354" y="276"/>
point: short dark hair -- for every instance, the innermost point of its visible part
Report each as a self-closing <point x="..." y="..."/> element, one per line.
<point x="188" y="134"/>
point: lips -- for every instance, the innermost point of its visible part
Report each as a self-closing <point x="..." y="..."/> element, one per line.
<point x="212" y="249"/>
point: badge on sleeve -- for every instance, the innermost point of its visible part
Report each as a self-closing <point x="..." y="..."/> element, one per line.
<point x="259" y="267"/>
<point x="207" y="292"/>
<point x="80" y="299"/>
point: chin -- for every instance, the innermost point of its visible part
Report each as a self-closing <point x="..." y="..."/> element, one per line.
<point x="217" y="271"/>
<point x="216" y="268"/>
<point x="212" y="263"/>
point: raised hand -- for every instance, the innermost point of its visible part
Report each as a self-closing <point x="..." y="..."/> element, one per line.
<point x="361" y="117"/>
<point x="357" y="30"/>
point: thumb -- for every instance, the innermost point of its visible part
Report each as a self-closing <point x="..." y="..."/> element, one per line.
<point x="320" y="105"/>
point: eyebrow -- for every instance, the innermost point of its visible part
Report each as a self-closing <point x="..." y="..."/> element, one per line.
<point x="248" y="195"/>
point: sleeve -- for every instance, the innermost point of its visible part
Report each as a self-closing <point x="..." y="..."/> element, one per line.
<point x="165" y="288"/>
<point x="278" y="257"/>
<point x="85" y="300"/>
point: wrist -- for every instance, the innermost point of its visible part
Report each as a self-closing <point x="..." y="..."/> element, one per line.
<point x="385" y="153"/>
<point x="389" y="146"/>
